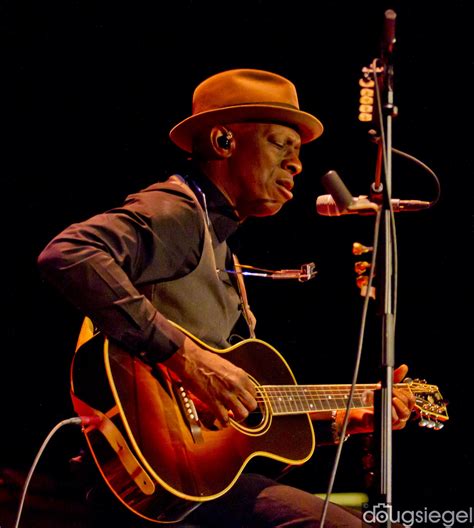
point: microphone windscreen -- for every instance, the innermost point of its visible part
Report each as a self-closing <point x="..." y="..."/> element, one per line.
<point x="326" y="206"/>
<point x="336" y="188"/>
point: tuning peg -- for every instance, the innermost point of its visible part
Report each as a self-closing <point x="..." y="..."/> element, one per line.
<point x="359" y="249"/>
<point x="424" y="422"/>
<point x="419" y="381"/>
<point x="430" y="424"/>
<point x="361" y="266"/>
<point x="362" y="281"/>
<point x="366" y="100"/>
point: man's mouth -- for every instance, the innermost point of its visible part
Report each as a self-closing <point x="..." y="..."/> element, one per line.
<point x="286" y="185"/>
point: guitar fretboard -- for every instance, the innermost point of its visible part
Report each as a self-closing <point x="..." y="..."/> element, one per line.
<point x="297" y="399"/>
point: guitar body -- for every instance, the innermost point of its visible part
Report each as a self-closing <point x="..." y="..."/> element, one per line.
<point x="160" y="457"/>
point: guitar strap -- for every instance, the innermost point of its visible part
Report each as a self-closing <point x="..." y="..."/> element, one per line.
<point x="248" y="315"/>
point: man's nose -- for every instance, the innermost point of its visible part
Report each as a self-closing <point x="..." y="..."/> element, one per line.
<point x="292" y="164"/>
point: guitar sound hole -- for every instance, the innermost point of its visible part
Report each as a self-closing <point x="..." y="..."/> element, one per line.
<point x="255" y="418"/>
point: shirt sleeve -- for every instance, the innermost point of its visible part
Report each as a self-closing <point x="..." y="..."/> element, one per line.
<point x="99" y="265"/>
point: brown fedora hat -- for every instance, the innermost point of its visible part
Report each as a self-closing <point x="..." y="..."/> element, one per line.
<point x="241" y="95"/>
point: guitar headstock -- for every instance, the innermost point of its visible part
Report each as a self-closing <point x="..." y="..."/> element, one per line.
<point x="430" y="405"/>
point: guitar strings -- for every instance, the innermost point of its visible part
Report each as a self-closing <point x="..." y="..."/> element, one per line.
<point x="326" y="396"/>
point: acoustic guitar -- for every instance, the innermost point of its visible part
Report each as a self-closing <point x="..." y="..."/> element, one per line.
<point x="162" y="456"/>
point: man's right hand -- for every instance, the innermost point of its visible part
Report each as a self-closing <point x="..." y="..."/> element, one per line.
<point x="225" y="388"/>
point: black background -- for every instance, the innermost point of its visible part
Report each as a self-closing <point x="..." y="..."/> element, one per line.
<point x="96" y="88"/>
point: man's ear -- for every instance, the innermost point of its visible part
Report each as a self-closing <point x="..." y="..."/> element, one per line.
<point x="222" y="141"/>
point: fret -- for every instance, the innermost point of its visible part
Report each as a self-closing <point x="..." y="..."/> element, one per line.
<point x="279" y="401"/>
<point x="298" y="399"/>
<point x="307" y="402"/>
<point x="289" y="400"/>
<point x="340" y="401"/>
<point x="325" y="402"/>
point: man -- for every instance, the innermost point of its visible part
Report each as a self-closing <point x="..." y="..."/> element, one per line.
<point x="163" y="256"/>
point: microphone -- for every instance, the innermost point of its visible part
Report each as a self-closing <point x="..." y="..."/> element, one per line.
<point x="333" y="184"/>
<point x="341" y="202"/>
<point x="327" y="206"/>
<point x="388" y="38"/>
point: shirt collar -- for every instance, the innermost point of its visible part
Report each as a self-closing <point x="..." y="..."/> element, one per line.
<point x="222" y="216"/>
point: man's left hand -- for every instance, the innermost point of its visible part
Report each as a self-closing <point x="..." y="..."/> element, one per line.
<point x="403" y="402"/>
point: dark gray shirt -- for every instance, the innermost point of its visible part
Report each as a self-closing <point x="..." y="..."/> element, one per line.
<point x="157" y="235"/>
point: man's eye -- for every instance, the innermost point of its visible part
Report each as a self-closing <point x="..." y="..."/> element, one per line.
<point x="278" y="145"/>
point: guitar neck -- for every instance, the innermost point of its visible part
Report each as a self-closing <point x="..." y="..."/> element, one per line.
<point x="298" y="399"/>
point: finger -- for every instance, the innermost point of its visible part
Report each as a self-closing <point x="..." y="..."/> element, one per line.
<point x="400" y="373"/>
<point x="400" y="413"/>
<point x="238" y="411"/>
<point x="248" y="400"/>
<point x="249" y="387"/>
<point x="368" y="398"/>
<point x="406" y="397"/>
<point x="402" y="408"/>
<point x="221" y="412"/>
<point x="398" y="422"/>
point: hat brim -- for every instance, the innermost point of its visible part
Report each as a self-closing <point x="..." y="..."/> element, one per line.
<point x="308" y="126"/>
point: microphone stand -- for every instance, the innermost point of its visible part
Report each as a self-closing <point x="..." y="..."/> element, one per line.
<point x="386" y="281"/>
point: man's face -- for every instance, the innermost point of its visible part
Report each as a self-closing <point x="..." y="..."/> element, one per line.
<point x="262" y="167"/>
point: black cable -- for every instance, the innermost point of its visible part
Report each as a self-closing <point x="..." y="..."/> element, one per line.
<point x="428" y="169"/>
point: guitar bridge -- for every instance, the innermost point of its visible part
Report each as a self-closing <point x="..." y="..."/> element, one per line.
<point x="189" y="412"/>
